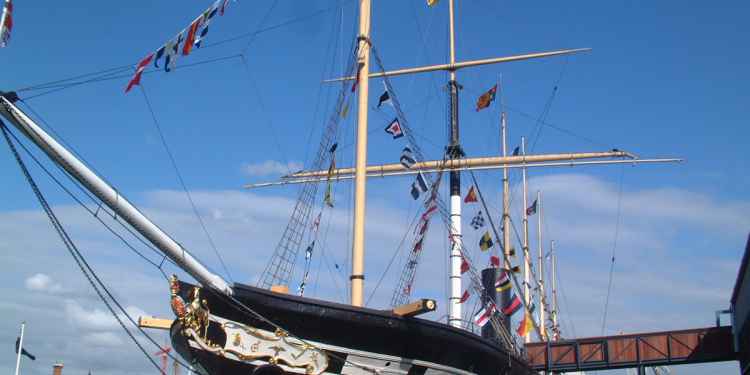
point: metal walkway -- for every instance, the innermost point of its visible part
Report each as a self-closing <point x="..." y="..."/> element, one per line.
<point x="700" y="345"/>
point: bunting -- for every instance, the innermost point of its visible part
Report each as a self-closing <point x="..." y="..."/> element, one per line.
<point x="407" y="158"/>
<point x="6" y="23"/>
<point x="477" y="221"/>
<point x="495" y="261"/>
<point x="464" y="297"/>
<point x="192" y="31"/>
<point x="486" y="99"/>
<point x="503" y="282"/>
<point x="385" y="98"/>
<point x="471" y="196"/>
<point x="136" y="80"/>
<point x="484" y="315"/>
<point x="485" y="243"/>
<point x="431" y="3"/>
<point x="419" y="186"/>
<point x="182" y="43"/>
<point x="516" y="150"/>
<point x="394" y="129"/>
<point x="531" y="209"/>
<point x="512" y="306"/>
<point x="207" y="16"/>
<point x="464" y="265"/>
<point x="525" y="326"/>
<point x="316" y="222"/>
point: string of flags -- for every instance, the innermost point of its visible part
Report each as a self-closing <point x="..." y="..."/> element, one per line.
<point x="6" y="23"/>
<point x="477" y="221"/>
<point x="183" y="42"/>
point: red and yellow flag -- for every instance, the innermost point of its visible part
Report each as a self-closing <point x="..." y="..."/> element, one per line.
<point x="526" y="325"/>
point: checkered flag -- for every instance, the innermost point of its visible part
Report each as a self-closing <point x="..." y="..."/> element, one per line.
<point x="478" y="221"/>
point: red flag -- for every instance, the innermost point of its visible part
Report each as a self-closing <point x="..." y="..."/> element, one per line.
<point x="471" y="196"/>
<point x="464" y="297"/>
<point x="188" y="46"/>
<point x="486" y="98"/>
<point x="136" y="80"/>
<point x="464" y="265"/>
<point x="483" y="316"/>
<point x="513" y="306"/>
<point x="495" y="261"/>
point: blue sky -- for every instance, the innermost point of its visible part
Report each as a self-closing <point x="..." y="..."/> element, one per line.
<point x="663" y="79"/>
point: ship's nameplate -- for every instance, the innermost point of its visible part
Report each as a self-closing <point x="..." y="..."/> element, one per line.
<point x="247" y="343"/>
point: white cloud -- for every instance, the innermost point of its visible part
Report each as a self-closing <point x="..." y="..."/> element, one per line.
<point x="96" y="319"/>
<point x="656" y="285"/>
<point x="271" y="167"/>
<point x="42" y="283"/>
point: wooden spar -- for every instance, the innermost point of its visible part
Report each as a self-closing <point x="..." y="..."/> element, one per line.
<point x="358" y="244"/>
<point x="464" y="64"/>
<point x="451" y="164"/>
<point x="506" y="195"/>
<point x="291" y="181"/>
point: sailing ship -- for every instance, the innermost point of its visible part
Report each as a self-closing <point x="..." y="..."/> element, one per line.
<point x="242" y="329"/>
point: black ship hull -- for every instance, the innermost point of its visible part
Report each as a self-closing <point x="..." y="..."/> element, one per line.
<point x="353" y="339"/>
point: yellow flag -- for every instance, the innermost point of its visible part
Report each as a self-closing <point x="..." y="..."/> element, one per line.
<point x="432" y="2"/>
<point x="526" y="326"/>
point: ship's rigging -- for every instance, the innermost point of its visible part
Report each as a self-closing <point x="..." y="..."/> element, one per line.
<point x="279" y="269"/>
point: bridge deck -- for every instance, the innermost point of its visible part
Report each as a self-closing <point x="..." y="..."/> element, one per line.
<point x="713" y="344"/>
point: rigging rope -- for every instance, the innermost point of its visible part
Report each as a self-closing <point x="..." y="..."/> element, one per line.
<point x="182" y="182"/>
<point x="614" y="250"/>
<point x="96" y="282"/>
<point x="83" y="265"/>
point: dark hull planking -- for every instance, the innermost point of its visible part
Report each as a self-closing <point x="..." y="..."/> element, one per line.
<point x="345" y="326"/>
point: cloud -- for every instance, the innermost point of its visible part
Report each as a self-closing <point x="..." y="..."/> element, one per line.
<point x="42" y="283"/>
<point x="663" y="277"/>
<point x="96" y="319"/>
<point x="271" y="167"/>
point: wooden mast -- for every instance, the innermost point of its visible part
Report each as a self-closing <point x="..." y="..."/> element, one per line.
<point x="526" y="256"/>
<point x="506" y="195"/>
<point x="358" y="245"/>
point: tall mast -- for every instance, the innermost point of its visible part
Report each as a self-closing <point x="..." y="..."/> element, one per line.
<point x="526" y="257"/>
<point x="553" y="262"/>
<point x="542" y="299"/>
<point x="454" y="152"/>
<point x="506" y="195"/>
<point x="360" y="175"/>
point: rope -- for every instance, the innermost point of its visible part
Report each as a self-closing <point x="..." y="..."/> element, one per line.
<point x="182" y="182"/>
<point x="614" y="250"/>
<point x="92" y="278"/>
